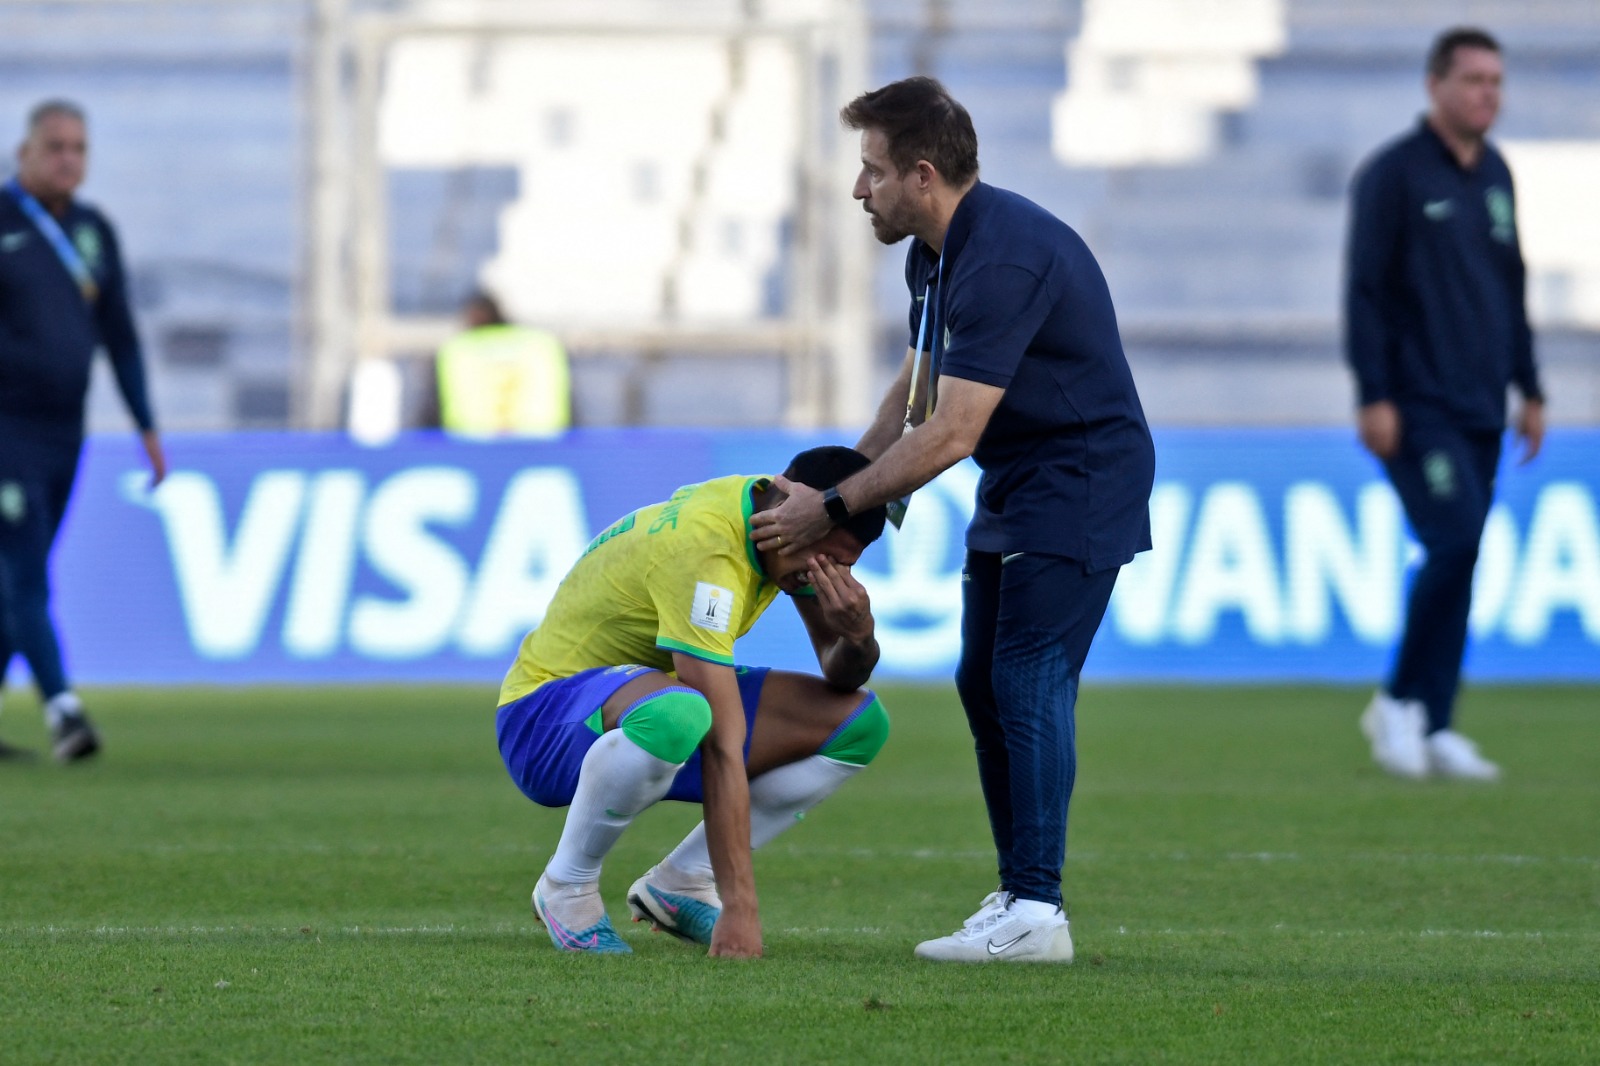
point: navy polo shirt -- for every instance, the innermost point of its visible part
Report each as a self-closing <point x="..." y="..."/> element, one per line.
<point x="1067" y="458"/>
<point x="1435" y="318"/>
<point x="49" y="332"/>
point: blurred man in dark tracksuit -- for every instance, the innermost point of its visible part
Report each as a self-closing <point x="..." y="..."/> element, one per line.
<point x="62" y="296"/>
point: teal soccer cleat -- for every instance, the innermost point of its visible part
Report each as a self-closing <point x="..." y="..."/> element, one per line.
<point x="674" y="905"/>
<point x="578" y="905"/>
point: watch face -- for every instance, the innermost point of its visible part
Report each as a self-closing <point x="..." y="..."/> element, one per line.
<point x="834" y="504"/>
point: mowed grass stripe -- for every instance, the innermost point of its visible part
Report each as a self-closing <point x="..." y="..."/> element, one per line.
<point x="341" y="875"/>
<point x="537" y="931"/>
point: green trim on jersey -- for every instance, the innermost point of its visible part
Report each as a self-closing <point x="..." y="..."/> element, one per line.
<point x="596" y="721"/>
<point x="694" y="652"/>
<point x="749" y="507"/>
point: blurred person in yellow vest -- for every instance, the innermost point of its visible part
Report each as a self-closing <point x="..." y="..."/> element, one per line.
<point x="500" y="379"/>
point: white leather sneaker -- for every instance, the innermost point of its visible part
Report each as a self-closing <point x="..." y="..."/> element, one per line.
<point x="1395" y="728"/>
<point x="1003" y="935"/>
<point x="1452" y="755"/>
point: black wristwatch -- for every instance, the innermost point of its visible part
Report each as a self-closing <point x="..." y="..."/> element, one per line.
<point x="833" y="503"/>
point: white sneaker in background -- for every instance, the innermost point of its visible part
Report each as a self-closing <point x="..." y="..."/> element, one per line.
<point x="1395" y="728"/>
<point x="1003" y="935"/>
<point x="1452" y="755"/>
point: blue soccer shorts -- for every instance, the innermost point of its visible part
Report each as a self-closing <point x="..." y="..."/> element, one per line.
<point x="545" y="734"/>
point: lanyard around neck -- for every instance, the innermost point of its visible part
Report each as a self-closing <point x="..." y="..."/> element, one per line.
<point x="53" y="234"/>
<point x="931" y="294"/>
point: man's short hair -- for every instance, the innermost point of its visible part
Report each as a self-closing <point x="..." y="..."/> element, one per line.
<point x="825" y="467"/>
<point x="485" y="304"/>
<point x="1443" y="53"/>
<point x="47" y="109"/>
<point x="920" y="120"/>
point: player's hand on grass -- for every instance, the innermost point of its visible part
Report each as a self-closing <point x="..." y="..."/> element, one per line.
<point x="846" y="607"/>
<point x="737" y="934"/>
<point x="795" y="524"/>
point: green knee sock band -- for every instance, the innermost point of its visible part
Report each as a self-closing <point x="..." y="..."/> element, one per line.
<point x="860" y="737"/>
<point x="669" y="723"/>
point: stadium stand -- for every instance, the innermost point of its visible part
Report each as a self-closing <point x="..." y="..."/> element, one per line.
<point x="1222" y="249"/>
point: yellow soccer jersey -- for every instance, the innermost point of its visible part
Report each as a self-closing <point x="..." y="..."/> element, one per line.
<point x="678" y="576"/>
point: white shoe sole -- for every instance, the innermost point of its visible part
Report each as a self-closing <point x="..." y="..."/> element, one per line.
<point x="955" y="949"/>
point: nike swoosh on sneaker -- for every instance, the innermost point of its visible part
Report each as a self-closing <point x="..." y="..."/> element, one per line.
<point x="995" y="949"/>
<point x="582" y="945"/>
<point x="566" y="935"/>
<point x="661" y="899"/>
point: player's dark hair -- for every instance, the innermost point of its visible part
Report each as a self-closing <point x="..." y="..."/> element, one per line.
<point x="1443" y="52"/>
<point x="920" y="120"/>
<point x="825" y="467"/>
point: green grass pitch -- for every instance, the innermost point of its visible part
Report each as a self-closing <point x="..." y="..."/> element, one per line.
<point x="341" y="875"/>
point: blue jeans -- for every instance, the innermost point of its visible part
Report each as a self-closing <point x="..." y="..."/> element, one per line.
<point x="1445" y="480"/>
<point x="1026" y="626"/>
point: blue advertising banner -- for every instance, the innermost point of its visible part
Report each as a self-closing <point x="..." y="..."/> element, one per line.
<point x="1280" y="555"/>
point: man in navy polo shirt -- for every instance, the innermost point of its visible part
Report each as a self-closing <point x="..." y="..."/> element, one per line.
<point x="61" y="297"/>
<point x="1436" y="329"/>
<point x="1014" y="335"/>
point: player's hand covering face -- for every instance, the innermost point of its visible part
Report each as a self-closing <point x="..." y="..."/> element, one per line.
<point x="845" y="605"/>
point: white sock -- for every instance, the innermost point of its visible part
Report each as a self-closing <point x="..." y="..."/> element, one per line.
<point x="60" y="705"/>
<point x="1035" y="910"/>
<point x="618" y="780"/>
<point x="778" y="799"/>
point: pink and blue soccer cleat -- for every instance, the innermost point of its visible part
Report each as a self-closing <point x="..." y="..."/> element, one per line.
<point x="576" y="919"/>
<point x="688" y="910"/>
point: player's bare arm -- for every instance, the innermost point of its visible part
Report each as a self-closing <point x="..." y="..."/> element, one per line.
<point x="727" y="807"/>
<point x="840" y="623"/>
<point x="889" y="422"/>
<point x="912" y="461"/>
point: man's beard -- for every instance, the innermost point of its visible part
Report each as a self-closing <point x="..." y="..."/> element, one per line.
<point x="885" y="231"/>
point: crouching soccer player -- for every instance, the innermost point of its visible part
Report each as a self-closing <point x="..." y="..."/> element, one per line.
<point x="627" y="694"/>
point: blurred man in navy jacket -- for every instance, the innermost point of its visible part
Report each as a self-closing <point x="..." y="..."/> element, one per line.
<point x="1436" y="330"/>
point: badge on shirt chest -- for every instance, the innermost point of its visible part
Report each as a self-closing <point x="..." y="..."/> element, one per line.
<point x="713" y="607"/>
<point x="86" y="239"/>
<point x="1502" y="215"/>
<point x="13" y="503"/>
